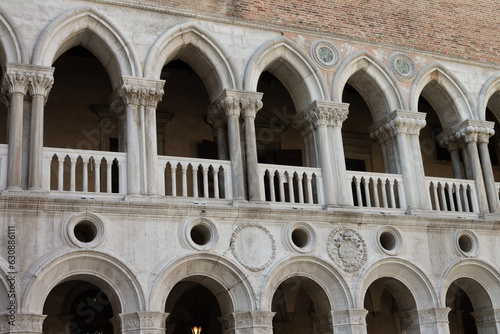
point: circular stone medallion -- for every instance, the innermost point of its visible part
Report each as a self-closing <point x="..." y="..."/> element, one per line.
<point x="402" y="66"/>
<point x="325" y="54"/>
<point x="347" y="248"/>
<point x="253" y="246"/>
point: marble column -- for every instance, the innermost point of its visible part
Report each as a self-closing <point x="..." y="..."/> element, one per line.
<point x="489" y="178"/>
<point x="229" y="104"/>
<point x="140" y="323"/>
<point x="14" y="89"/>
<point x="339" y="112"/>
<point x="487" y="321"/>
<point x="351" y="321"/>
<point x="252" y="322"/>
<point x="28" y="324"/>
<point x="40" y="83"/>
<point x="468" y="132"/>
<point x="405" y="127"/>
<point x="219" y="123"/>
<point x="434" y="321"/>
<point x="454" y="148"/>
<point x="314" y="122"/>
<point x="250" y="104"/>
<point x="138" y="98"/>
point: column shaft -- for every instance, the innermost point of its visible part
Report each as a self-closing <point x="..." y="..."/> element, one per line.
<point x="151" y="151"/>
<point x="478" y="175"/>
<point x="132" y="138"/>
<point x="325" y="161"/>
<point x="457" y="166"/>
<point x="15" y="159"/>
<point x="235" y="156"/>
<point x="489" y="178"/>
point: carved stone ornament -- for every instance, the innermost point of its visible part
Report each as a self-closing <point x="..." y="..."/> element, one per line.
<point x="347" y="249"/>
<point x="325" y="54"/>
<point x="402" y="66"/>
<point x="253" y="246"/>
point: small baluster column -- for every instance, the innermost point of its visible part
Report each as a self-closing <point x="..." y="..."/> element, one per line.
<point x="14" y="89"/>
<point x="40" y="84"/>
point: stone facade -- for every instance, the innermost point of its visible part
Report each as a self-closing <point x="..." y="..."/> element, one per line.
<point x="171" y="164"/>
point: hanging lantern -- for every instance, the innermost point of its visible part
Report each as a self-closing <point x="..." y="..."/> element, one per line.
<point x="196" y="329"/>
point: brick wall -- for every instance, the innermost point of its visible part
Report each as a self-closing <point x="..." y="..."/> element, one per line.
<point x="464" y="28"/>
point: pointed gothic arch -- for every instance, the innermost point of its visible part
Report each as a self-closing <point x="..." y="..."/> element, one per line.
<point x="334" y="293"/>
<point x="403" y="271"/>
<point x="11" y="48"/>
<point x="292" y="66"/>
<point x="489" y="96"/>
<point x="444" y="92"/>
<point x="116" y="278"/>
<point x="87" y="27"/>
<point x="191" y="44"/>
<point x="226" y="280"/>
<point x="373" y="80"/>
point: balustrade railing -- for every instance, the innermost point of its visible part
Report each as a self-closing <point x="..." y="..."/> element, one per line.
<point x="84" y="171"/>
<point x="197" y="178"/>
<point x="4" y="157"/>
<point x="452" y="194"/>
<point x="377" y="190"/>
<point x="291" y="184"/>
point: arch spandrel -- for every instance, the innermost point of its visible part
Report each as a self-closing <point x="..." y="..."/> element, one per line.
<point x="11" y="47"/>
<point x="116" y="278"/>
<point x="87" y="27"/>
<point x="400" y="270"/>
<point x="226" y="280"/>
<point x="445" y="93"/>
<point x="191" y="44"/>
<point x="489" y="96"/>
<point x="319" y="272"/>
<point x="486" y="277"/>
<point x="292" y="66"/>
<point x="373" y="80"/>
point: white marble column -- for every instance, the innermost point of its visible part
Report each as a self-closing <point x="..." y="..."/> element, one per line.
<point x="405" y="127"/>
<point x="351" y="321"/>
<point x="229" y="104"/>
<point x="140" y="323"/>
<point x="339" y="112"/>
<point x="252" y="322"/>
<point x="315" y="121"/>
<point x="453" y="147"/>
<point x="153" y="96"/>
<point x="487" y="321"/>
<point x="40" y="83"/>
<point x="489" y="178"/>
<point x="28" y="324"/>
<point x="219" y="123"/>
<point x="434" y="321"/>
<point x="468" y="132"/>
<point x="250" y="104"/>
<point x="14" y="89"/>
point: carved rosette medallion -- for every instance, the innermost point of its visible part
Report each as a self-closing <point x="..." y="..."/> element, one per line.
<point x="347" y="249"/>
<point x="402" y="66"/>
<point x="325" y="54"/>
<point x="253" y="246"/>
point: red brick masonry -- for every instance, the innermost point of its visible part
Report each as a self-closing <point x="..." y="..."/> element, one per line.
<point x="463" y="28"/>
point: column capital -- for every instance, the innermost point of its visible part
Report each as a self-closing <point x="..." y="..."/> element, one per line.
<point x="28" y="323"/>
<point x="349" y="317"/>
<point x="140" y="322"/>
<point x="470" y="131"/>
<point x="137" y="92"/>
<point x="486" y="317"/>
<point x="41" y="84"/>
<point x="251" y="319"/>
<point x="321" y="113"/>
<point x="433" y="315"/>
<point x="232" y="102"/>
<point x="15" y="80"/>
<point x="399" y="122"/>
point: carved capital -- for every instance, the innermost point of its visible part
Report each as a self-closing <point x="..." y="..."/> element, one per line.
<point x="237" y="102"/>
<point x="408" y="319"/>
<point x="321" y="113"/>
<point x="349" y="317"/>
<point x="433" y="315"/>
<point x="28" y="323"/>
<point x="216" y="117"/>
<point x="450" y="142"/>
<point x="137" y="92"/>
<point x="15" y="82"/>
<point x="252" y="319"/>
<point x="486" y="317"/>
<point x="40" y="84"/>
<point x="230" y="106"/>
<point x="398" y="123"/>
<point x="469" y="131"/>
<point x="249" y="107"/>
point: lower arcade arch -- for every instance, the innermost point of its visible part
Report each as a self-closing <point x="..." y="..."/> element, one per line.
<point x="300" y="305"/>
<point x="190" y="304"/>
<point x="78" y="306"/>
<point x="391" y="307"/>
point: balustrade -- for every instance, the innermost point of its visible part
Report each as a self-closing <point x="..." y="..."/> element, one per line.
<point x="377" y="190"/>
<point x="452" y="194"/>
